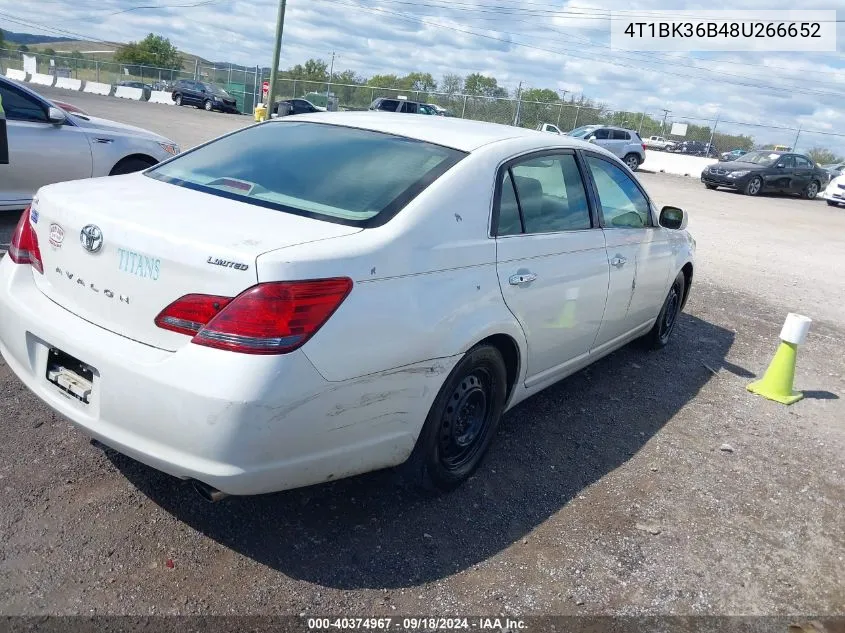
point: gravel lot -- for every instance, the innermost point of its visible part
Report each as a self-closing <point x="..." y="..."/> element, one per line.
<point x="609" y="493"/>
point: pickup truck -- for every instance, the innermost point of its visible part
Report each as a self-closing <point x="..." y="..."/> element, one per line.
<point x="548" y="127"/>
<point x="658" y="142"/>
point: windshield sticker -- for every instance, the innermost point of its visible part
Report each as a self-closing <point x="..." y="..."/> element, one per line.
<point x="139" y="265"/>
<point x="57" y="235"/>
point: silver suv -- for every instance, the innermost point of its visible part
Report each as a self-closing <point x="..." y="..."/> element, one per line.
<point x="626" y="144"/>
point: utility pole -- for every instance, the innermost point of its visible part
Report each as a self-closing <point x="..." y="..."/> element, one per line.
<point x="713" y="132"/>
<point x="277" y="50"/>
<point x="518" y="103"/>
<point x="640" y="129"/>
<point x="795" y="144"/>
<point x="329" y="85"/>
<point x="663" y="126"/>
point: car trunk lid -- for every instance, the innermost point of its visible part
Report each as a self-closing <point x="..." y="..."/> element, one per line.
<point x="118" y="250"/>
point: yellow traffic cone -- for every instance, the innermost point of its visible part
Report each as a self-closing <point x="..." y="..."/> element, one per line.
<point x="776" y="383"/>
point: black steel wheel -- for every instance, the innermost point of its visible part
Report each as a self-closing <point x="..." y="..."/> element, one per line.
<point x="659" y="335"/>
<point x="461" y="423"/>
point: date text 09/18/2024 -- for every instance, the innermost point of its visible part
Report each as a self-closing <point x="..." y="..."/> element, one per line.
<point x="416" y="624"/>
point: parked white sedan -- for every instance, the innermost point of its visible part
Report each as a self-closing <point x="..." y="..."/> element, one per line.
<point x="834" y="192"/>
<point x="49" y="144"/>
<point x="328" y="294"/>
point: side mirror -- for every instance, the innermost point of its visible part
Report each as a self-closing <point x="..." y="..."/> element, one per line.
<point x="780" y="166"/>
<point x="673" y="218"/>
<point x="592" y="139"/>
<point x="56" y="116"/>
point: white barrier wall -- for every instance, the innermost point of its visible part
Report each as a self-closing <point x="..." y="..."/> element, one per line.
<point x="69" y="84"/>
<point x="17" y="75"/>
<point x="97" y="88"/>
<point x="127" y="92"/>
<point x="678" y="164"/>
<point x="42" y="80"/>
<point x="158" y="96"/>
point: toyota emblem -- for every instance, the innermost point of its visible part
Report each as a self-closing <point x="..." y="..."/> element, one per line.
<point x="91" y="238"/>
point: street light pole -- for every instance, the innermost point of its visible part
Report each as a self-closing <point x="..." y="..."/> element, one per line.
<point x="277" y="50"/>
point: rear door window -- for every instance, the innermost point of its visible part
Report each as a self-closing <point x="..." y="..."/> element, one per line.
<point x="328" y="172"/>
<point x="550" y="194"/>
<point x="601" y="134"/>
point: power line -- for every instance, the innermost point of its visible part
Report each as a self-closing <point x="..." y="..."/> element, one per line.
<point x="572" y="53"/>
<point x="457" y="6"/>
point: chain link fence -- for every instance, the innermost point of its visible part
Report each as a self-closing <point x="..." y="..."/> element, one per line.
<point x="245" y="84"/>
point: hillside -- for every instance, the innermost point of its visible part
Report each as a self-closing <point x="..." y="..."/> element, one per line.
<point x="29" y="38"/>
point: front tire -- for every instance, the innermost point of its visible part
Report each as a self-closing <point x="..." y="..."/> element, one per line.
<point x="208" y="106"/>
<point x="709" y="186"/>
<point x="831" y="203"/>
<point x="659" y="335"/>
<point x="178" y="100"/>
<point x="754" y="186"/>
<point x="811" y="191"/>
<point x="130" y="166"/>
<point x="461" y="423"/>
<point x="632" y="161"/>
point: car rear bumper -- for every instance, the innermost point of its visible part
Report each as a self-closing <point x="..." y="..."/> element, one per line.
<point x="243" y="424"/>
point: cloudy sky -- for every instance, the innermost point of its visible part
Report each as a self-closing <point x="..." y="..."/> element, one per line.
<point x="543" y="43"/>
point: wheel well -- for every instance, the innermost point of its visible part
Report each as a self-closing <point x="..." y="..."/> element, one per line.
<point x="142" y="157"/>
<point x="687" y="270"/>
<point x="510" y="354"/>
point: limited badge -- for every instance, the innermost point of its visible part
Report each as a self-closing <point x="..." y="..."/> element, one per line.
<point x="57" y="235"/>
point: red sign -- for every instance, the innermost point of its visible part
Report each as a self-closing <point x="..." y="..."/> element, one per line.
<point x="265" y="87"/>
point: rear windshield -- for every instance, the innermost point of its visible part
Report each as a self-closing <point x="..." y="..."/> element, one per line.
<point x="328" y="172"/>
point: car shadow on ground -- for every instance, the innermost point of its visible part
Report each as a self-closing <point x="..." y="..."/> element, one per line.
<point x="369" y="532"/>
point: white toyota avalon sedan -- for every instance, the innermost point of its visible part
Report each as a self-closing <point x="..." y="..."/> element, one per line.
<point x="328" y="294"/>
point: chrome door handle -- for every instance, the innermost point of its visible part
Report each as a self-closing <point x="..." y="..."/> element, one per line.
<point x="524" y="278"/>
<point x="618" y="261"/>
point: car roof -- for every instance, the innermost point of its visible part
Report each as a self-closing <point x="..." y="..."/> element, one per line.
<point x="461" y="134"/>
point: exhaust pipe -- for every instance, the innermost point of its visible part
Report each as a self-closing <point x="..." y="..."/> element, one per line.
<point x="212" y="495"/>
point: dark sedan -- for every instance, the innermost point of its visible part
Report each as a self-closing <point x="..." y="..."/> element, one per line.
<point x="757" y="172"/>
<point x="293" y="106"/>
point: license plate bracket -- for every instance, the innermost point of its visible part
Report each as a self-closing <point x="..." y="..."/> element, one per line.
<point x="70" y="375"/>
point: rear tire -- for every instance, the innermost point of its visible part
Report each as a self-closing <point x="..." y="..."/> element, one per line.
<point x="461" y="423"/>
<point x="130" y="166"/>
<point x="632" y="161"/>
<point x="811" y="191"/>
<point x="659" y="335"/>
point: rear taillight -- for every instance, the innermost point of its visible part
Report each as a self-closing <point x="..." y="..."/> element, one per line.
<point x="188" y="314"/>
<point x="270" y="318"/>
<point x="24" y="247"/>
<point x="643" y="146"/>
